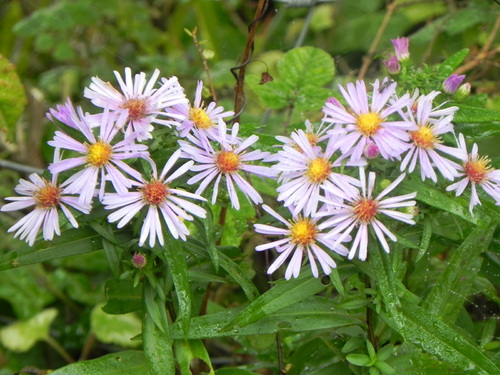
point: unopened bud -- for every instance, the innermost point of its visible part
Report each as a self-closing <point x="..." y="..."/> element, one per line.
<point x="463" y="91"/>
<point x="139" y="260"/>
<point x="371" y="151"/>
<point x="392" y="65"/>
<point x="401" y="48"/>
<point x="450" y="84"/>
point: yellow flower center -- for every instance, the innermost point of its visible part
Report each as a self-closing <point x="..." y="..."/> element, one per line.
<point x="99" y="153"/>
<point x="136" y="108"/>
<point x="477" y="170"/>
<point x="227" y="161"/>
<point x="154" y="193"/>
<point x="368" y="123"/>
<point x="200" y="118"/>
<point x="48" y="196"/>
<point x="303" y="232"/>
<point x="424" y="138"/>
<point x="366" y="209"/>
<point x="313" y="138"/>
<point x="318" y="170"/>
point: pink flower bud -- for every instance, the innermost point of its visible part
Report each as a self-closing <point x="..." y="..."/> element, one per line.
<point x="371" y="151"/>
<point x="392" y="65"/>
<point x="401" y="48"/>
<point x="139" y="260"/>
<point x="451" y="84"/>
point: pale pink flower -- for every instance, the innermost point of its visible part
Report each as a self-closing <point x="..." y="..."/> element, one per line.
<point x="401" y="48"/>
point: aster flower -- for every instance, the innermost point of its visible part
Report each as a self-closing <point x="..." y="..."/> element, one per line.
<point x="363" y="212"/>
<point x="427" y="142"/>
<point x="451" y="84"/>
<point x="436" y="113"/>
<point x="401" y="46"/>
<point x="158" y="197"/>
<point x="141" y="102"/>
<point x="225" y="163"/>
<point x="99" y="158"/>
<point x="199" y="119"/>
<point x="302" y="236"/>
<point x="366" y="123"/>
<point x="48" y="198"/>
<point x="477" y="171"/>
<point x="308" y="173"/>
<point x="67" y="114"/>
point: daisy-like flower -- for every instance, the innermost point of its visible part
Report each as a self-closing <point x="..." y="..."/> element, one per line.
<point x="302" y="236"/>
<point x="427" y="142"/>
<point x="225" y="163"/>
<point x="158" y="197"/>
<point x="48" y="198"/>
<point x="99" y="158"/>
<point x="67" y="114"/>
<point x="308" y="173"/>
<point x="141" y="102"/>
<point x="476" y="170"/>
<point x="366" y="123"/>
<point x="200" y="119"/>
<point x="363" y="211"/>
<point x="436" y="113"/>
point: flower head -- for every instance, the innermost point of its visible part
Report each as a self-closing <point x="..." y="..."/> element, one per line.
<point x="139" y="100"/>
<point x="47" y="197"/>
<point x="160" y="198"/>
<point x="451" y="84"/>
<point x="401" y="48"/>
<point x="364" y="211"/>
<point x="476" y="171"/>
<point x="302" y="236"/>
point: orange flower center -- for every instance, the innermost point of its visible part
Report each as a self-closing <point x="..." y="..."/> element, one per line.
<point x="48" y="196"/>
<point x="227" y="161"/>
<point x="313" y="138"/>
<point x="368" y="123"/>
<point x="318" y="170"/>
<point x="477" y="170"/>
<point x="366" y="209"/>
<point x="99" y="153"/>
<point x="303" y="232"/>
<point x="136" y="108"/>
<point x="424" y="138"/>
<point x="154" y="193"/>
<point x="200" y="118"/>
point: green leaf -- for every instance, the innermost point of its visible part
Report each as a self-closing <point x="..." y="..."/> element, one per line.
<point x="155" y="307"/>
<point x="121" y="363"/>
<point x="451" y="63"/>
<point x="189" y="350"/>
<point x="234" y="371"/>
<point x="281" y="295"/>
<point x="275" y="94"/>
<point x="21" y="336"/>
<point x="122" y="297"/>
<point x="306" y="66"/>
<point x="358" y="359"/>
<point x="469" y="114"/>
<point x="452" y="286"/>
<point x="115" y="329"/>
<point x="12" y="98"/>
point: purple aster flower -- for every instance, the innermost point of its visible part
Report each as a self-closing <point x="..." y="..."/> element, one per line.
<point x="363" y="211"/>
<point x="67" y="114"/>
<point x="302" y="236"/>
<point x="225" y="163"/>
<point x="477" y="171"/>
<point x="306" y="174"/>
<point x="451" y="84"/>
<point x="99" y="157"/>
<point x="141" y="102"/>
<point x="48" y="198"/>
<point x="427" y="142"/>
<point x="436" y="113"/>
<point x="401" y="48"/>
<point x="197" y="118"/>
<point x="366" y="123"/>
<point x="392" y="65"/>
<point x="159" y="198"/>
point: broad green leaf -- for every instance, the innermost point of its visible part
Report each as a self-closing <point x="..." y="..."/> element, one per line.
<point x="306" y="66"/>
<point x="115" y="329"/>
<point x="453" y="285"/>
<point x="470" y="114"/>
<point x="275" y="94"/>
<point x="188" y="350"/>
<point x="121" y="363"/>
<point x="359" y="359"/>
<point x="451" y="63"/>
<point x="157" y="347"/>
<point x="12" y="98"/>
<point x="311" y="98"/>
<point x="122" y="297"/>
<point x="479" y="130"/>
<point x="22" y="335"/>
<point x="233" y="371"/>
<point x="278" y="297"/>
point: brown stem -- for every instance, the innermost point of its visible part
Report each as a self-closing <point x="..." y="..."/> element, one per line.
<point x="204" y="61"/>
<point x="368" y="58"/>
<point x="245" y="58"/>
<point x="58" y="348"/>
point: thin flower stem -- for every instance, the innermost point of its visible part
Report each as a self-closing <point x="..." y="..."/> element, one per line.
<point x="307" y="23"/>
<point x="59" y="349"/>
<point x="87" y="346"/>
<point x="368" y="58"/>
<point x="204" y="61"/>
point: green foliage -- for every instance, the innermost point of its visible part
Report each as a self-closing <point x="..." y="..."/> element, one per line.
<point x="12" y="98"/>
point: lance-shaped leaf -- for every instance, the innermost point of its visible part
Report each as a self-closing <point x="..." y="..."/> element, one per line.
<point x="12" y="98"/>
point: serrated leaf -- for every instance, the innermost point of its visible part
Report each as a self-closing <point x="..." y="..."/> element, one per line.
<point x="451" y="63"/>
<point x="22" y="335"/>
<point x="12" y="98"/>
<point x="115" y="329"/>
<point x="122" y="297"/>
<point x="276" y="94"/>
<point x="121" y="363"/>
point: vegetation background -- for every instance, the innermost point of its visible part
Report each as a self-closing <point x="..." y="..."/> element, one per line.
<point x="58" y="45"/>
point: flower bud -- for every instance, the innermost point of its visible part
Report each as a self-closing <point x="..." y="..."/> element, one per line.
<point x="392" y="65"/>
<point x="401" y="48"/>
<point x="371" y="151"/>
<point x="450" y="84"/>
<point x="463" y="91"/>
<point x="139" y="260"/>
